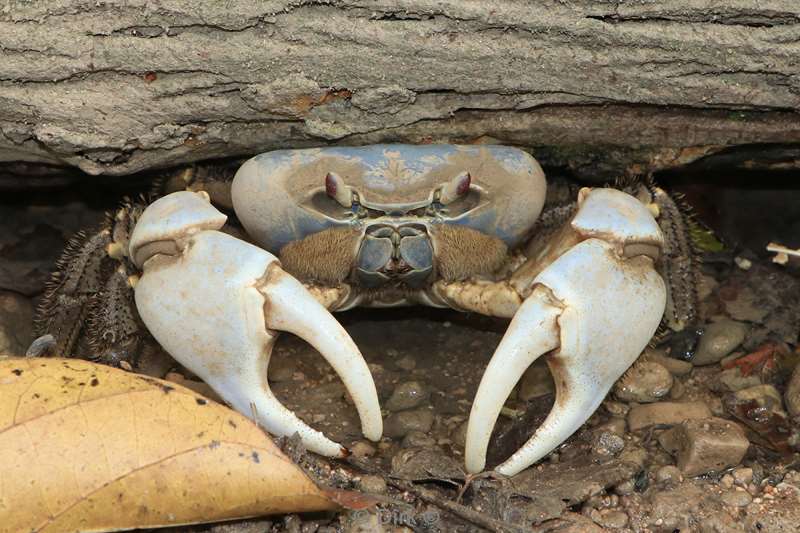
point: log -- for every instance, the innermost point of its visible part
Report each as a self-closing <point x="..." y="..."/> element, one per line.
<point x="589" y="86"/>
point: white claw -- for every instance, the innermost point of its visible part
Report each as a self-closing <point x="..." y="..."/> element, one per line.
<point x="214" y="305"/>
<point x="607" y="310"/>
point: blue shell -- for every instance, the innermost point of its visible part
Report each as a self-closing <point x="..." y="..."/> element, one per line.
<point x="280" y="196"/>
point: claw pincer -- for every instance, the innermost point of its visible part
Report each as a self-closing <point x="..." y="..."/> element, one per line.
<point x="216" y="303"/>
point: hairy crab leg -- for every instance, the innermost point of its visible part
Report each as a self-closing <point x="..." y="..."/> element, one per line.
<point x="591" y="312"/>
<point x="216" y="304"/>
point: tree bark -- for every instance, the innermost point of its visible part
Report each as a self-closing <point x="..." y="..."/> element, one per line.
<point x="597" y="87"/>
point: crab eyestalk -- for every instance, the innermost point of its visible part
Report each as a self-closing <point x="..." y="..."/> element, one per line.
<point x="591" y="312"/>
<point x="216" y="304"/>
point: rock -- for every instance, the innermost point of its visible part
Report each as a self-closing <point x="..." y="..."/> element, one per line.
<point x="732" y="380"/>
<point x="718" y="340"/>
<point x="613" y="519"/>
<point x="459" y="434"/>
<point x="281" y="369"/>
<point x="408" y="395"/>
<point x="743" y="476"/>
<point x="418" y="439"/>
<point x="607" y="443"/>
<point x="676" y="367"/>
<point x="400" y="424"/>
<point x="704" y="446"/>
<point x="705" y="286"/>
<point x="16" y="323"/>
<point x="536" y="381"/>
<point x="641" y="416"/>
<point x="615" y="425"/>
<point x="372" y="484"/>
<point x="736" y="498"/>
<point x="677" y="391"/>
<point x="363" y="521"/>
<point x="766" y="396"/>
<point x="792" y="395"/>
<point x="673" y="509"/>
<point x="669" y="475"/>
<point x="362" y="449"/>
<point x="644" y="382"/>
<point x="746" y="306"/>
<point x="406" y="363"/>
<point x="419" y="464"/>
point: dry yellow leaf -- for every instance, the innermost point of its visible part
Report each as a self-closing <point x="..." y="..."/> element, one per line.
<point x="86" y="447"/>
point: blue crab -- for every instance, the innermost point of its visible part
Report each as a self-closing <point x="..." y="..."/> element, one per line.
<point x="462" y="227"/>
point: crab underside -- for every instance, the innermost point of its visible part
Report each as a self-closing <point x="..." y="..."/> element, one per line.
<point x="586" y="285"/>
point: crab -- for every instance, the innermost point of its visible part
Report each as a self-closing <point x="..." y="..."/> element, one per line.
<point x="586" y="285"/>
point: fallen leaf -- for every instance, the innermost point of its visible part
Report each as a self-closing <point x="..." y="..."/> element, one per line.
<point x="86" y="447"/>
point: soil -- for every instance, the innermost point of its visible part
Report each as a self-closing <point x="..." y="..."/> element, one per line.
<point x="605" y="477"/>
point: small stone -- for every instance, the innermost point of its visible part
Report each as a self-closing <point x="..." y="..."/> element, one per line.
<point x="766" y="396"/>
<point x="669" y="475"/>
<point x="736" y="498"/>
<point x="743" y="476"/>
<point x="407" y="395"/>
<point x="400" y="424"/>
<point x="705" y="286"/>
<point x="616" y="408"/>
<point x="459" y="435"/>
<point x="704" y="446"/>
<point x="625" y="488"/>
<point x="536" y="381"/>
<point x="676" y="367"/>
<point x="406" y="363"/>
<point x="613" y="519"/>
<point x="718" y="340"/>
<point x="726" y="481"/>
<point x="16" y="323"/>
<point x="677" y="391"/>
<point x="642" y="416"/>
<point x="792" y="395"/>
<point x="372" y="484"/>
<point x="746" y="306"/>
<point x="418" y="439"/>
<point x="731" y="380"/>
<point x="615" y="425"/>
<point x="644" y="382"/>
<point x="362" y="449"/>
<point x="281" y="369"/>
<point x="607" y="443"/>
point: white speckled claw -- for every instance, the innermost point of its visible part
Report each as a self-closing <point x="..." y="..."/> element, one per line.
<point x="592" y="311"/>
<point x="215" y="303"/>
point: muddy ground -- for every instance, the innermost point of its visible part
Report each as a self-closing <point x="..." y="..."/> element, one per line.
<point x="630" y="468"/>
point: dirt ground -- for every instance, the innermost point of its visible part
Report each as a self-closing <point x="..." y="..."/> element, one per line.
<point x="427" y="364"/>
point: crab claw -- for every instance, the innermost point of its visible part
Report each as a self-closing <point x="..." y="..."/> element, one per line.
<point x="216" y="304"/>
<point x="592" y="311"/>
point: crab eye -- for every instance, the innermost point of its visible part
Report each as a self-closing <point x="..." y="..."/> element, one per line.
<point x="336" y="188"/>
<point x="455" y="188"/>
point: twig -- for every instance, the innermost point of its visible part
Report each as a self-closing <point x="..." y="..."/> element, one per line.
<point x="428" y="496"/>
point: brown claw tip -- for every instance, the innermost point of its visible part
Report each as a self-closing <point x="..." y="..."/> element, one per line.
<point x="343" y="452"/>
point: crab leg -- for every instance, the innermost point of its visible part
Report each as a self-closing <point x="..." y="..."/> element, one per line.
<point x="590" y="312"/>
<point x="216" y="304"/>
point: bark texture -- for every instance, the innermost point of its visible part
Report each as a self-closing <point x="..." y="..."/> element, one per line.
<point x="598" y="87"/>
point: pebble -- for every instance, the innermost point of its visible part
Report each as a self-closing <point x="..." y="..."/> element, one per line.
<point x="704" y="446"/>
<point x="743" y="476"/>
<point x="372" y="484"/>
<point x="400" y="424"/>
<point x="16" y="323"/>
<point x="615" y="425"/>
<point x="766" y="396"/>
<point x="406" y="363"/>
<point x="676" y="367"/>
<point x="607" y="443"/>
<point x="644" y="382"/>
<point x="642" y="416"/>
<point x="418" y="439"/>
<point x="625" y="488"/>
<point x="732" y="380"/>
<point x="719" y="339"/>
<point x="459" y="435"/>
<point x="706" y="286"/>
<point x="362" y="449"/>
<point x="613" y="519"/>
<point x="727" y="481"/>
<point x="792" y="395"/>
<point x="536" y="381"/>
<point x="677" y="391"/>
<point x="669" y="475"/>
<point x="408" y="395"/>
<point x="281" y="369"/>
<point x="736" y="498"/>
